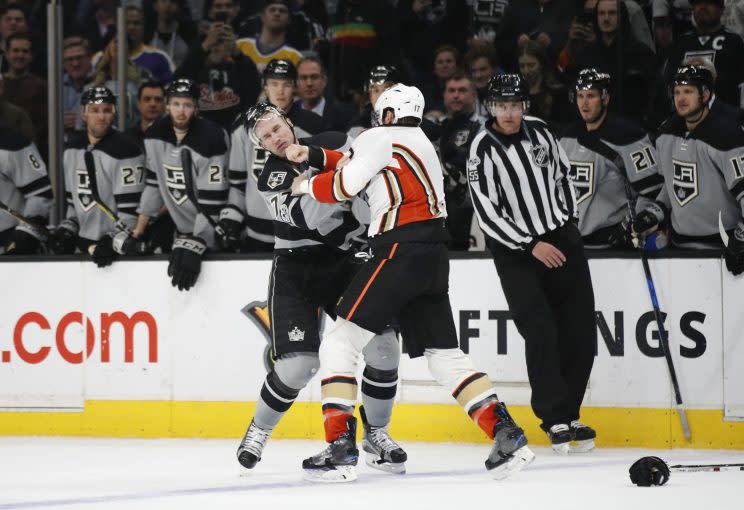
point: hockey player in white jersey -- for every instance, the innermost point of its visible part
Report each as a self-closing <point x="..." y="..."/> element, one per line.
<point x="397" y="171"/>
<point x="246" y="222"/>
<point x="186" y="162"/>
<point x="599" y="183"/>
<point x="313" y="262"/>
<point x="25" y="190"/>
<point x="104" y="173"/>
<point x="701" y="156"/>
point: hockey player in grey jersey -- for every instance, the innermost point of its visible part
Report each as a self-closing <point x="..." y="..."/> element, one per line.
<point x="701" y="156"/>
<point x="313" y="262"/>
<point x="104" y="178"/>
<point x="25" y="188"/>
<point x="193" y="199"/>
<point x="247" y="216"/>
<point x="598" y="182"/>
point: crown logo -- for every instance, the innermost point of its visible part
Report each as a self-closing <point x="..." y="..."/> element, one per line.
<point x="296" y="335"/>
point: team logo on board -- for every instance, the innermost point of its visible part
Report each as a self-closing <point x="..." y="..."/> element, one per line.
<point x="685" y="181"/>
<point x="581" y="174"/>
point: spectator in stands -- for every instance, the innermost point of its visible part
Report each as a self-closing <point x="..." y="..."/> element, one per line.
<point x="545" y="21"/>
<point x="636" y="17"/>
<point x="172" y="34"/>
<point x="671" y="19"/>
<point x="105" y="75"/>
<point x="305" y="32"/>
<point x="482" y="62"/>
<point x="14" y="117"/>
<point x="733" y="17"/>
<point x="271" y="42"/>
<point x="548" y="96"/>
<point x="427" y="24"/>
<point x="364" y="34"/>
<point x="226" y="11"/>
<point x="228" y="80"/>
<point x="616" y="52"/>
<point x="100" y="29"/>
<point x="23" y="88"/>
<point x="485" y="19"/>
<point x="12" y="21"/>
<point x="151" y="106"/>
<point x="155" y="63"/>
<point x="78" y="73"/>
<point x="446" y="62"/>
<point x="712" y="41"/>
<point x="312" y="80"/>
<point x="459" y="127"/>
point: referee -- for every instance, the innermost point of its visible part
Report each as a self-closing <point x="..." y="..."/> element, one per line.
<point x="527" y="209"/>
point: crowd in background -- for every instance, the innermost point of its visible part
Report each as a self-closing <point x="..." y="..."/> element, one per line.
<point x="449" y="49"/>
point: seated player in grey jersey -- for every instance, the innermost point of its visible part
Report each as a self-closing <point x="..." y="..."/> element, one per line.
<point x="104" y="178"/>
<point x="186" y="161"/>
<point x="246" y="222"/>
<point x="701" y="157"/>
<point x="600" y="182"/>
<point x="25" y="190"/>
<point x="312" y="265"/>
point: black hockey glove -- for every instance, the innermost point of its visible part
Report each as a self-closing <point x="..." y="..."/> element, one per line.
<point x="22" y="243"/>
<point x="231" y="221"/>
<point x="124" y="244"/>
<point x="649" y="471"/>
<point x="621" y="236"/>
<point x="185" y="261"/>
<point x="63" y="240"/>
<point x="102" y="252"/>
<point x="648" y="220"/>
<point x="734" y="252"/>
<point x="160" y="233"/>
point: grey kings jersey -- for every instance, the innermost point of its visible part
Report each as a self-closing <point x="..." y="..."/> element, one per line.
<point x="208" y="145"/>
<point x="24" y="183"/>
<point x="703" y="173"/>
<point x="120" y="174"/>
<point x="599" y="184"/>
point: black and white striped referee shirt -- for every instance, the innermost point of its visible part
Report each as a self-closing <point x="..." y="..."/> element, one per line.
<point x="519" y="184"/>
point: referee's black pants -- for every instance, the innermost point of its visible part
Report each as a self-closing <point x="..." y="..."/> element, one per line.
<point x="553" y="310"/>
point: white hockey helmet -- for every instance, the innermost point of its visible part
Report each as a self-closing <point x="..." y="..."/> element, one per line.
<point x="404" y="101"/>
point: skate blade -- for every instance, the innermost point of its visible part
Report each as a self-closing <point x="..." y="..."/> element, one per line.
<point x="339" y="474"/>
<point x="516" y="462"/>
<point x="582" y="446"/>
<point x="562" y="448"/>
<point x="374" y="461"/>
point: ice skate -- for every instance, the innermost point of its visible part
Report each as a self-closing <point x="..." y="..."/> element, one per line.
<point x="582" y="437"/>
<point x="249" y="451"/>
<point x="510" y="452"/>
<point x="560" y="438"/>
<point x="337" y="463"/>
<point x="383" y="452"/>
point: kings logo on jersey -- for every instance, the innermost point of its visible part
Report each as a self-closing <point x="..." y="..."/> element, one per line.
<point x="85" y="197"/>
<point x="685" y="181"/>
<point x="581" y="174"/>
<point x="175" y="183"/>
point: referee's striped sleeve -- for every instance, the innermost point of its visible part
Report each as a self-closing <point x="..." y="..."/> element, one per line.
<point x="490" y="211"/>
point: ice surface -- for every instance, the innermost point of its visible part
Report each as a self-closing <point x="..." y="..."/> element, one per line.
<point x="185" y="474"/>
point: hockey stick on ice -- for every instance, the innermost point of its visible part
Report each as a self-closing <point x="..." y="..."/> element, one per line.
<point x="90" y="168"/>
<point x="39" y="230"/>
<point x="592" y="142"/>
<point x="706" y="467"/>
<point x="187" y="165"/>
